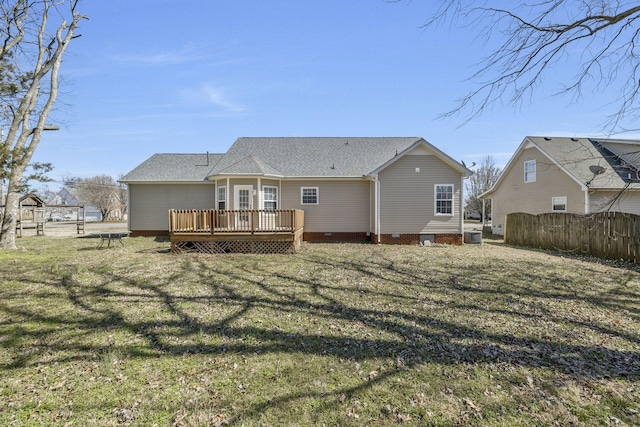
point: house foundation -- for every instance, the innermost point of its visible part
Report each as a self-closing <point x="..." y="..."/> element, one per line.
<point x="416" y="239"/>
<point x="330" y="237"/>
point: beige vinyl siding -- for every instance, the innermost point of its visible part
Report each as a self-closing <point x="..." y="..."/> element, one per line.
<point x="627" y="201"/>
<point x="407" y="196"/>
<point x="150" y="203"/>
<point x="515" y="195"/>
<point x="343" y="205"/>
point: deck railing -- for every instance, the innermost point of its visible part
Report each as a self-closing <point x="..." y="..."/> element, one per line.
<point x="209" y="221"/>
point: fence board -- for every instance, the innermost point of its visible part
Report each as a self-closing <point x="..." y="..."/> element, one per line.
<point x="614" y="235"/>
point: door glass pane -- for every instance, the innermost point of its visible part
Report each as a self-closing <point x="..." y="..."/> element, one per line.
<point x="243" y="199"/>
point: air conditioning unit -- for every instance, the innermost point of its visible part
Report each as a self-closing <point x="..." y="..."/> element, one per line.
<point x="473" y="237"/>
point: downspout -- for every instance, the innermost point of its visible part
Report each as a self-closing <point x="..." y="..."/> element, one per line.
<point x="462" y="207"/>
<point x="377" y="207"/>
<point x="587" y="209"/>
<point x="128" y="208"/>
<point x="260" y="206"/>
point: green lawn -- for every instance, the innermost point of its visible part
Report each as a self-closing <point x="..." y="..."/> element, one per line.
<point x="334" y="335"/>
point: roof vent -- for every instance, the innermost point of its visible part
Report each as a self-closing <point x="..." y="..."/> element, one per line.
<point x="574" y="139"/>
<point x="546" y="138"/>
<point x="333" y="166"/>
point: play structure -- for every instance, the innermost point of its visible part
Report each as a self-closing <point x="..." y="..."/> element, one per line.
<point x="33" y="213"/>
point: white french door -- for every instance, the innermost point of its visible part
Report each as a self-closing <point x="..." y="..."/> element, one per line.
<point x="243" y="200"/>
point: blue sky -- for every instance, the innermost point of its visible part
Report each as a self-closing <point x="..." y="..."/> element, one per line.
<point x="157" y="76"/>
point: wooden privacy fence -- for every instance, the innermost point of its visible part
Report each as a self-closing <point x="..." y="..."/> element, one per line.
<point x="613" y="235"/>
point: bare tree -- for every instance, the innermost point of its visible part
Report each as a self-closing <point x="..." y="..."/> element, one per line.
<point x="483" y="178"/>
<point x="123" y="196"/>
<point x="30" y="60"/>
<point x="598" y="40"/>
<point x="100" y="191"/>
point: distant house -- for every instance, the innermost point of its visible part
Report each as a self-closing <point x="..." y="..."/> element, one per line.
<point x="69" y="196"/>
<point x="575" y="175"/>
<point x="386" y="190"/>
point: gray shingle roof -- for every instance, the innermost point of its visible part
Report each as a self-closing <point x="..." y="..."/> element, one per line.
<point x="283" y="157"/>
<point x="315" y="157"/>
<point x="173" y="167"/>
<point x="597" y="163"/>
<point x="581" y="157"/>
<point x="250" y="166"/>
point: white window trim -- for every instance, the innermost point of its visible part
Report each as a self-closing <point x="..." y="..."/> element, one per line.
<point x="553" y="203"/>
<point x="435" y="199"/>
<point x="277" y="196"/>
<point x="310" y="188"/>
<point x="218" y="200"/>
<point x="534" y="172"/>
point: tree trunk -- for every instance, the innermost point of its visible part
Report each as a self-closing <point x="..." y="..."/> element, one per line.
<point x="37" y="101"/>
<point x="10" y="220"/>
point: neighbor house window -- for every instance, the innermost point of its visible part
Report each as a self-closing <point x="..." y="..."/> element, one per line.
<point x="530" y="171"/>
<point x="309" y="195"/>
<point x="222" y="198"/>
<point x="559" y="204"/>
<point x="270" y="197"/>
<point x="444" y="199"/>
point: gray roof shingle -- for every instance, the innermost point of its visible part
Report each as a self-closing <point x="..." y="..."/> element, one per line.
<point x="291" y="157"/>
<point x="173" y="167"/>
<point x="315" y="157"/>
<point x="581" y="157"/>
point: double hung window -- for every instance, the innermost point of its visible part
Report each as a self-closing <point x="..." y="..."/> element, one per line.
<point x="270" y="197"/>
<point x="309" y="195"/>
<point x="222" y="198"/>
<point x="530" y="171"/>
<point x="444" y="199"/>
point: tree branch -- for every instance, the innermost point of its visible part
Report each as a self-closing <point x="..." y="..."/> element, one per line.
<point x="535" y="39"/>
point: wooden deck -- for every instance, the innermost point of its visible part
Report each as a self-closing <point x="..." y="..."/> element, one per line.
<point x="237" y="231"/>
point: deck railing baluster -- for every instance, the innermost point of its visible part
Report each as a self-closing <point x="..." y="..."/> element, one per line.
<point x="235" y="221"/>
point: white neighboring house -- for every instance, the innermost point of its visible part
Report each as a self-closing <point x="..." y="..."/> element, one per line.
<point x="573" y="175"/>
<point x="69" y="197"/>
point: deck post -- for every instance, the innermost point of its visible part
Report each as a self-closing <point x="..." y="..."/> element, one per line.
<point x="254" y="221"/>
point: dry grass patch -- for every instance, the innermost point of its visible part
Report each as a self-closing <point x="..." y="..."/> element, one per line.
<point x="334" y="335"/>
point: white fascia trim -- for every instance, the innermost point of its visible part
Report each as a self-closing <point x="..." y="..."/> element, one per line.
<point x="298" y="178"/>
<point x="508" y="167"/>
<point x="244" y="175"/>
<point x="167" y="182"/>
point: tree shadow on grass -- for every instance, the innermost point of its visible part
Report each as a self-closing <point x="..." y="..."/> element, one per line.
<point x="386" y="301"/>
